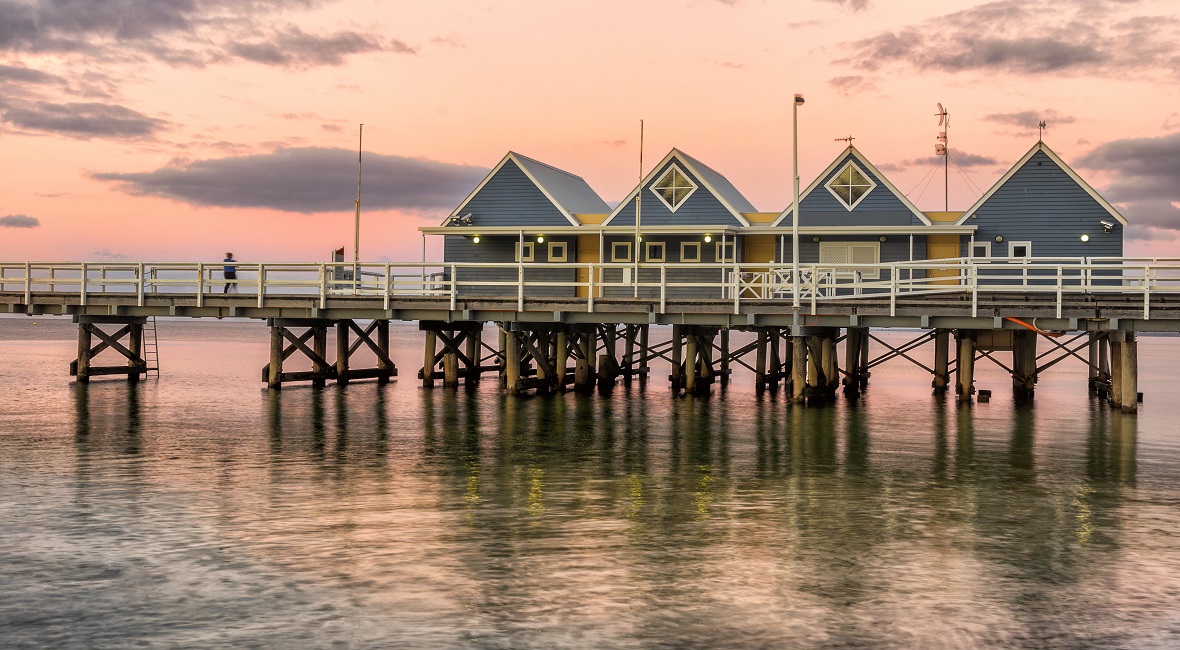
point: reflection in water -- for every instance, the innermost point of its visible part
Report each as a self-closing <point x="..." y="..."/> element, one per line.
<point x="399" y="516"/>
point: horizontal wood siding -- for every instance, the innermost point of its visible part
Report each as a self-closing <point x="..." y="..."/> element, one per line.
<point x="701" y="209"/>
<point x="880" y="208"/>
<point x="1040" y="203"/>
<point x="503" y="250"/>
<point x="510" y="199"/>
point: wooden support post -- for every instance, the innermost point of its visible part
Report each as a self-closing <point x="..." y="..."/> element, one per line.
<point x="965" y="385"/>
<point x="450" y="363"/>
<point x="644" y="354"/>
<point x="512" y="363"/>
<point x="275" y="374"/>
<point x="1024" y="363"/>
<point x="383" y="344"/>
<point x="135" y="346"/>
<point x="864" y="358"/>
<point x="691" y="365"/>
<point x="474" y="351"/>
<point x="1130" y="369"/>
<point x="800" y="362"/>
<point x="1104" y="360"/>
<point x="502" y="359"/>
<point x="428" y="358"/>
<point x="780" y="365"/>
<point x="724" y="358"/>
<point x="562" y="358"/>
<point x="342" y="352"/>
<point x="84" y="340"/>
<point x="815" y="366"/>
<point x="942" y="345"/>
<point x="852" y="369"/>
<point x="677" y="364"/>
<point x="629" y="364"/>
<point x="319" y="344"/>
<point x="760" y="361"/>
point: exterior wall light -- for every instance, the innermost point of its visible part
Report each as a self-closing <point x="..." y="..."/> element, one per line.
<point x="815" y="239"/>
<point x="475" y="239"/>
<point x="708" y="238"/>
<point x="1085" y="238"/>
<point x="884" y="239"/>
<point x="999" y="238"/>
<point x="540" y="239"/>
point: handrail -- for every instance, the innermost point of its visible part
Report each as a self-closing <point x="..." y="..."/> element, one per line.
<point x="84" y="283"/>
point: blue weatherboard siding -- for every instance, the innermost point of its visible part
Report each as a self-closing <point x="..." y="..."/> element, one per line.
<point x="510" y="199"/>
<point x="502" y="250"/>
<point x="700" y="209"/>
<point x="880" y="208"/>
<point x="1042" y="204"/>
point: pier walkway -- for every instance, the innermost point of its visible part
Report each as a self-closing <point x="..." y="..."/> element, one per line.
<point x="552" y="313"/>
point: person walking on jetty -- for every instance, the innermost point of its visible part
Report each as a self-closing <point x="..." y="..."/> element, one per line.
<point x="231" y="273"/>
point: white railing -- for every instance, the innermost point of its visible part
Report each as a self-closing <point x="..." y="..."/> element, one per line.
<point x="739" y="283"/>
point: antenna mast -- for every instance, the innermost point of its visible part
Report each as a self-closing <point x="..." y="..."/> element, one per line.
<point x="1041" y="131"/>
<point x="638" y="204"/>
<point x="356" y="243"/>
<point x="943" y="149"/>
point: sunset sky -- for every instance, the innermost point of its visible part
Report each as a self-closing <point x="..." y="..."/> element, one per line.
<point x="174" y="130"/>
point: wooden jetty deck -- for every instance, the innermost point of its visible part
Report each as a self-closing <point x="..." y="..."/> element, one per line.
<point x="545" y="325"/>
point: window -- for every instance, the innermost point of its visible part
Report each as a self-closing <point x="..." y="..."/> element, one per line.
<point x="850" y="186"/>
<point x="674" y="188"/>
<point x="655" y="251"/>
<point x="981" y="249"/>
<point x="725" y="251"/>
<point x="690" y="251"/>
<point x="620" y="251"/>
<point x="557" y="251"/>
<point x="836" y="253"/>
<point x="527" y="249"/>
<point x="1019" y="249"/>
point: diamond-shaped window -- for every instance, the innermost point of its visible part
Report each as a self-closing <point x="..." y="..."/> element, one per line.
<point x="674" y="188"/>
<point x="851" y="185"/>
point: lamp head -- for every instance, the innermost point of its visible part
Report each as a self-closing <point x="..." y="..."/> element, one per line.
<point x="798" y="99"/>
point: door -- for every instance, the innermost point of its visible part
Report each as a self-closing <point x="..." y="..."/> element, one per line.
<point x="588" y="254"/>
<point x="943" y="247"/>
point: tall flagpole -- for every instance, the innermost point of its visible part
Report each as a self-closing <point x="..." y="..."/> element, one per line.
<point x="356" y="242"/>
<point x="795" y="329"/>
<point x="638" y="203"/>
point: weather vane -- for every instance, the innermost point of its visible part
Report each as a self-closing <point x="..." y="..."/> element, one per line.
<point x="847" y="139"/>
<point x="1040" y="130"/>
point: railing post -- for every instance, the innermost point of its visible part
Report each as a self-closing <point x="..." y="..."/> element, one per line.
<point x="200" y="284"/>
<point x="892" y="291"/>
<point x="590" y="290"/>
<point x="454" y="286"/>
<point x="28" y="284"/>
<point x="139" y="284"/>
<point x="973" y="274"/>
<point x="82" y="297"/>
<point x="663" y="287"/>
<point x="261" y="285"/>
<point x="1147" y="279"/>
<point x="519" y="287"/>
<point x="1059" y="290"/>
<point x="388" y="284"/>
<point x="737" y="288"/>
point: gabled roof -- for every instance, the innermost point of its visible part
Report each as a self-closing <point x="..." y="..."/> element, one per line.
<point x="570" y="194"/>
<point x="713" y="181"/>
<point x="860" y="159"/>
<point x="1041" y="146"/>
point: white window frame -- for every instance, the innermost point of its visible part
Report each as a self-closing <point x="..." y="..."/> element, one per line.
<point x="529" y="250"/>
<point x="670" y="169"/>
<point x="839" y="199"/>
<point x="686" y="254"/>
<point x="555" y="246"/>
<point x="987" y="249"/>
<point x="865" y="274"/>
<point x="1027" y="249"/>
<point x="614" y="251"/>
<point x="721" y="256"/>
<point x="649" y="245"/>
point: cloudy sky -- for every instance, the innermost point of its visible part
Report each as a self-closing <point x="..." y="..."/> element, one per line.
<point x="178" y="129"/>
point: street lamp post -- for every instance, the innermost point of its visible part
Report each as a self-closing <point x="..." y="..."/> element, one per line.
<point x="795" y="329"/>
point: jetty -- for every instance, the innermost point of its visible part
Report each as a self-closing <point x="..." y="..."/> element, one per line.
<point x="1025" y="315"/>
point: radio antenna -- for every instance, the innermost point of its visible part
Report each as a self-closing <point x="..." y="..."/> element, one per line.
<point x="943" y="149"/>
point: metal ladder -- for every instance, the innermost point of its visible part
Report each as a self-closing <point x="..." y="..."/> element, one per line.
<point x="151" y="348"/>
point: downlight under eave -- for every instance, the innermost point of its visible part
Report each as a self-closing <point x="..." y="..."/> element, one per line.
<point x="850" y="186"/>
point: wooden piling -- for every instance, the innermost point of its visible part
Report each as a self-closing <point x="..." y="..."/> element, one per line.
<point x="1024" y="363"/>
<point x="83" y="362"/>
<point x="383" y="364"/>
<point x="724" y="357"/>
<point x="275" y="368"/>
<point x="512" y="363"/>
<point x="942" y="344"/>
<point x="760" y="361"/>
<point x="428" y="354"/>
<point x="319" y="344"/>
<point x="691" y="365"/>
<point x="562" y="358"/>
<point x="799" y="365"/>
<point x="965" y="384"/>
<point x="342" y="352"/>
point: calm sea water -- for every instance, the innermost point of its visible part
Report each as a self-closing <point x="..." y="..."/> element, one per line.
<point x="199" y="510"/>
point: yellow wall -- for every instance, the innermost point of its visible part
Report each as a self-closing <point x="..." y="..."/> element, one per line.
<point x="761" y="217"/>
<point x="941" y="247"/>
<point x="591" y="219"/>
<point x="587" y="254"/>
